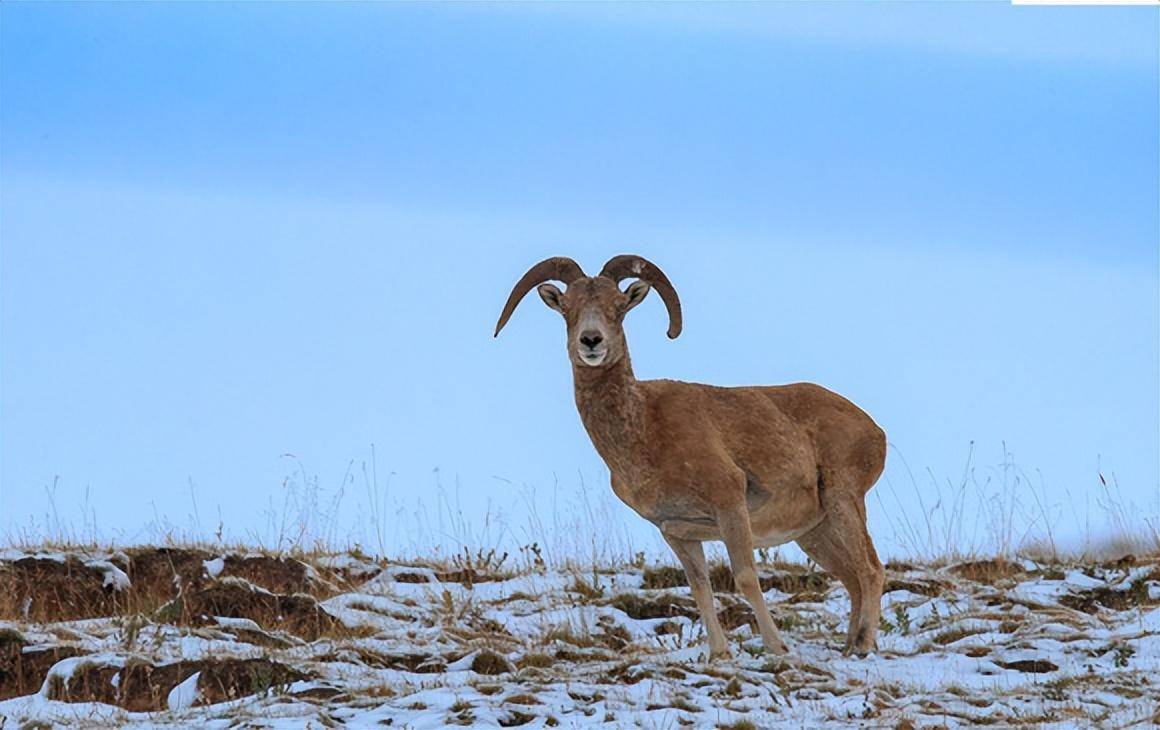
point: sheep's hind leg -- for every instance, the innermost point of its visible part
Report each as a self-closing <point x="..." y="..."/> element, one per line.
<point x="692" y="557"/>
<point x="841" y="545"/>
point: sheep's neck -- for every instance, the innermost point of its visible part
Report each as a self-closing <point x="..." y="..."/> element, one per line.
<point x="612" y="410"/>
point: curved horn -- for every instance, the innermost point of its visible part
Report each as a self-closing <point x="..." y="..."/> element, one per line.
<point x="558" y="268"/>
<point x="627" y="266"/>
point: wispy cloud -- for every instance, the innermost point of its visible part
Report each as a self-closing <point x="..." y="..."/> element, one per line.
<point x="1117" y="35"/>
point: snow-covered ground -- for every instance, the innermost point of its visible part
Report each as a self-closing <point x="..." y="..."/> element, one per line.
<point x="344" y="640"/>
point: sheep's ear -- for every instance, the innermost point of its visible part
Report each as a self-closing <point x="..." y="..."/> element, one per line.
<point x="636" y="292"/>
<point x="551" y="296"/>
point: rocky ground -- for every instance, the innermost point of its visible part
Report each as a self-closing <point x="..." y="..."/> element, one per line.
<point x="183" y="636"/>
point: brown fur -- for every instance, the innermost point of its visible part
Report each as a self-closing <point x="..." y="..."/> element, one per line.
<point x="750" y="466"/>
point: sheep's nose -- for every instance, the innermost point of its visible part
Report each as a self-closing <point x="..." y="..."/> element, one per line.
<point x="591" y="338"/>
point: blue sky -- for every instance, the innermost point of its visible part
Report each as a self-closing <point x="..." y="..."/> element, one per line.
<point x="232" y="232"/>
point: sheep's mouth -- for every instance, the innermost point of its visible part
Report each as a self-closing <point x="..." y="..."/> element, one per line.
<point x="593" y="357"/>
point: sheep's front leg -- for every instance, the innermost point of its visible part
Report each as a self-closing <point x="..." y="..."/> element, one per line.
<point x="692" y="557"/>
<point x="735" y="530"/>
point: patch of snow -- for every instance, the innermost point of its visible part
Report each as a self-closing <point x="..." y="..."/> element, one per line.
<point x="463" y="664"/>
<point x="184" y="695"/>
<point x="214" y="567"/>
<point x="62" y="672"/>
<point x="1150" y="621"/>
<point x="114" y="577"/>
<point x="245" y="624"/>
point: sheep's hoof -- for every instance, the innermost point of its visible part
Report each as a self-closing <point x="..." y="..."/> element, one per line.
<point x="720" y="655"/>
<point x="777" y="647"/>
<point x="859" y="651"/>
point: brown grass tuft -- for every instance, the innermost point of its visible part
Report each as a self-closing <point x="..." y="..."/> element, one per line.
<point x="489" y="663"/>
<point x="665" y="605"/>
<point x="534" y="660"/>
<point x="987" y="571"/>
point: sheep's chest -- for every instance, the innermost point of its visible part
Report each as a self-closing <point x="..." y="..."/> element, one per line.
<point x="659" y="505"/>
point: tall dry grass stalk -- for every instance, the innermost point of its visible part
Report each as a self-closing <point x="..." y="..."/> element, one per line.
<point x="999" y="510"/>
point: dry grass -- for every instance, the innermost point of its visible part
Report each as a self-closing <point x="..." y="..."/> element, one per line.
<point x="786" y="577"/>
<point x="987" y="571"/>
<point x="1116" y="599"/>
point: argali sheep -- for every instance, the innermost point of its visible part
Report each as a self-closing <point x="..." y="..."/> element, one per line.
<point x="751" y="466"/>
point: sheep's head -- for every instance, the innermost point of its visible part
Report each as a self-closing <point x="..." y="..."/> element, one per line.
<point x="594" y="306"/>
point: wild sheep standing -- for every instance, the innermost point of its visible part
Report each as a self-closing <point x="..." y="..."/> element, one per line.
<point x="752" y="466"/>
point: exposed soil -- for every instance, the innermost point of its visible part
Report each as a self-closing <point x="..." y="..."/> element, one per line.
<point x="1118" y="598"/>
<point x="298" y="614"/>
<point x="45" y="590"/>
<point x="144" y="687"/>
<point x="921" y="587"/>
<point x="158" y="571"/>
<point x="22" y="672"/>
<point x="1035" y="666"/>
<point x="644" y="606"/>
